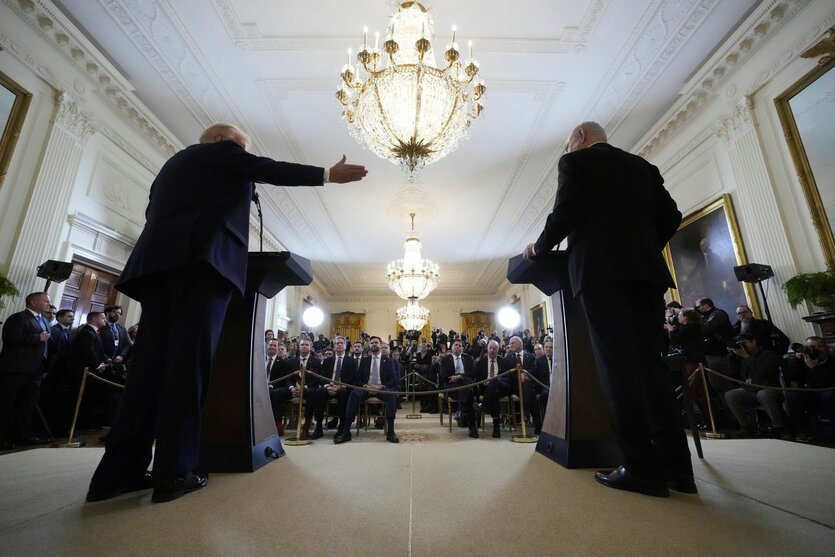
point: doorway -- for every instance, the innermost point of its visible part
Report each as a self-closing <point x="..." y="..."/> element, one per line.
<point x="88" y="289"/>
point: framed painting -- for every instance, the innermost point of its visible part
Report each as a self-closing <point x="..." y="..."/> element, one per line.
<point x="539" y="320"/>
<point x="807" y="118"/>
<point x="14" y="101"/>
<point x="701" y="256"/>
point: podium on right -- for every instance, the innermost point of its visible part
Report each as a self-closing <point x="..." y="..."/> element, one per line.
<point x="576" y="432"/>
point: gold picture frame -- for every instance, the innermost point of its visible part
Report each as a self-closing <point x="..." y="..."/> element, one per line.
<point x="539" y="320"/>
<point x="14" y="102"/>
<point x="701" y="256"/>
<point x="807" y="125"/>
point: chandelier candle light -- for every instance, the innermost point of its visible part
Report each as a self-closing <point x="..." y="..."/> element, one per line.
<point x="413" y="277"/>
<point x="409" y="111"/>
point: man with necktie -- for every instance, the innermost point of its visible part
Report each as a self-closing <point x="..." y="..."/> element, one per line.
<point x="22" y="362"/>
<point x="489" y="367"/>
<point x="376" y="373"/>
<point x="191" y="259"/>
<point x="341" y="368"/>
<point x="517" y="356"/>
<point x="55" y="395"/>
<point x="114" y="337"/>
<point x="306" y="360"/>
<point x="457" y="370"/>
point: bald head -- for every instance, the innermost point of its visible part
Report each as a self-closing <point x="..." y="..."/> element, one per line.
<point x="223" y="132"/>
<point x="584" y="135"/>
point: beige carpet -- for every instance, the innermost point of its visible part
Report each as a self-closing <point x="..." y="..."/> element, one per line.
<point x="435" y="494"/>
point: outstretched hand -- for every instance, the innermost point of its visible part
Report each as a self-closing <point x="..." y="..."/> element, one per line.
<point x="341" y="173"/>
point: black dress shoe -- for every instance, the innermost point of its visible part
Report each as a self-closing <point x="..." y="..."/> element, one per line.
<point x="623" y="478"/>
<point x="343" y="437"/>
<point x="391" y="437"/>
<point x="333" y="423"/>
<point x="497" y="431"/>
<point x="683" y="483"/>
<point x="102" y="493"/>
<point x="33" y="440"/>
<point x="317" y="433"/>
<point x="474" y="433"/>
<point x="168" y="490"/>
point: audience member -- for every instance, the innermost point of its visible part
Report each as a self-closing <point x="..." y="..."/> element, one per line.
<point x="341" y="369"/>
<point x="813" y="368"/>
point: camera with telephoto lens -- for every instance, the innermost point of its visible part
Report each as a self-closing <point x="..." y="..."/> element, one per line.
<point x="733" y="345"/>
<point x="798" y="348"/>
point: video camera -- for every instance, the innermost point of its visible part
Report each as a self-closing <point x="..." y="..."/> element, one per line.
<point x="798" y="348"/>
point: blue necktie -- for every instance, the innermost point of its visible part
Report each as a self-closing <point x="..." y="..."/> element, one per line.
<point x="375" y="372"/>
<point x="42" y="323"/>
<point x="115" y="331"/>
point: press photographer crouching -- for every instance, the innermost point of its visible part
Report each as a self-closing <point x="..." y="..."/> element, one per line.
<point x="811" y="366"/>
<point x="748" y="361"/>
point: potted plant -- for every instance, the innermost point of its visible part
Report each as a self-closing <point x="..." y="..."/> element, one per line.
<point x="6" y="289"/>
<point x="816" y="288"/>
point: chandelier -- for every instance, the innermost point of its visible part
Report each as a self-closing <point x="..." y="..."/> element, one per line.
<point x="413" y="277"/>
<point x="410" y="111"/>
<point x="412" y="317"/>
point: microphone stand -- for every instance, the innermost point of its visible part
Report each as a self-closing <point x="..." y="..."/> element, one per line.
<point x="257" y="201"/>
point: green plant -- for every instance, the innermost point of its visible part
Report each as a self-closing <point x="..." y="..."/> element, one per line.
<point x="6" y="289"/>
<point x="817" y="288"/>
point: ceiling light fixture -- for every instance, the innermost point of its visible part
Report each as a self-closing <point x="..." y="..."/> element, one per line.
<point x="410" y="112"/>
<point x="413" y="277"/>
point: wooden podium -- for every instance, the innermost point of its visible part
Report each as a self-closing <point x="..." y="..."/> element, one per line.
<point x="576" y="431"/>
<point x="238" y="431"/>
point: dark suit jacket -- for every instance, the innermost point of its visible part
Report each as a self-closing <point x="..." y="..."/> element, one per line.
<point x="617" y="216"/>
<point x="87" y="349"/>
<point x="529" y="364"/>
<point x="108" y="343"/>
<point x="22" y="346"/>
<point x="349" y="368"/>
<point x="388" y="377"/>
<point x="448" y="368"/>
<point x="60" y="347"/>
<point x="543" y="370"/>
<point x="199" y="213"/>
<point x="313" y="364"/>
<point x="482" y="367"/>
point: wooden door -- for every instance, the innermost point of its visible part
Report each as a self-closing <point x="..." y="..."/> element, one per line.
<point x="88" y="289"/>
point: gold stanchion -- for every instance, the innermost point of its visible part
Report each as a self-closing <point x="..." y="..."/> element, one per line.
<point x="70" y="444"/>
<point x="712" y="434"/>
<point x="297" y="440"/>
<point x="414" y="415"/>
<point x="524" y="437"/>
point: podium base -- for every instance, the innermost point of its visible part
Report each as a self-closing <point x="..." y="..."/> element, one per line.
<point x="577" y="453"/>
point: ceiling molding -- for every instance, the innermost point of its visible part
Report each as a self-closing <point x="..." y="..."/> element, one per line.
<point x="58" y="32"/>
<point x="247" y="36"/>
<point x="749" y="38"/>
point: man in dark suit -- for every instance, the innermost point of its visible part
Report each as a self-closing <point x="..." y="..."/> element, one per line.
<point x="278" y="366"/>
<point x="114" y="337"/>
<point x="617" y="216"/>
<point x="307" y="359"/>
<point x="190" y="259"/>
<point x="377" y="374"/>
<point x="488" y="367"/>
<point x="341" y="368"/>
<point x="88" y="353"/>
<point x="55" y="392"/>
<point x="458" y="370"/>
<point x="22" y="361"/>
<point x="518" y="356"/>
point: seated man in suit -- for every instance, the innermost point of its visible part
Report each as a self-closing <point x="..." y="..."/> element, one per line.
<point x="376" y="373"/>
<point x="516" y="355"/>
<point x="277" y="367"/>
<point x="341" y="368"/>
<point x="544" y="365"/>
<point x="457" y="370"/>
<point x="489" y="367"/>
<point x="307" y="360"/>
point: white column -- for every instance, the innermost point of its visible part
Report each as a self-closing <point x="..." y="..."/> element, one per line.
<point x="47" y="210"/>
<point x="757" y="212"/>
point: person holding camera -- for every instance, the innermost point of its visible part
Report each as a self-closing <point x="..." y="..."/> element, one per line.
<point x="811" y="367"/>
<point x="686" y="341"/>
<point x="755" y="366"/>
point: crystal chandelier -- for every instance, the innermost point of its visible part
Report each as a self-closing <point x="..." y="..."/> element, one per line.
<point x="413" y="277"/>
<point x="410" y="112"/>
<point x="412" y="317"/>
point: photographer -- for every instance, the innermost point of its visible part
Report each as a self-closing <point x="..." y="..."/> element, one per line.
<point x="811" y="367"/>
<point x="768" y="336"/>
<point x="751" y="363"/>
<point x="717" y="331"/>
<point x="686" y="340"/>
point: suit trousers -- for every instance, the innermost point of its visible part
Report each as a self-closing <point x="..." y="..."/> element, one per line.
<point x="358" y="395"/>
<point x="320" y="400"/>
<point x="169" y="378"/>
<point x="493" y="392"/>
<point x="18" y="398"/>
<point x="625" y="324"/>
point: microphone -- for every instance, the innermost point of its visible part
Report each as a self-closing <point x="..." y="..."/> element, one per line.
<point x="257" y="201"/>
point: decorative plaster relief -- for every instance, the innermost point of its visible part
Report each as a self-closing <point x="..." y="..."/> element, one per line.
<point x="112" y="187"/>
<point x="72" y="119"/>
<point x="737" y="122"/>
<point x="54" y="29"/>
